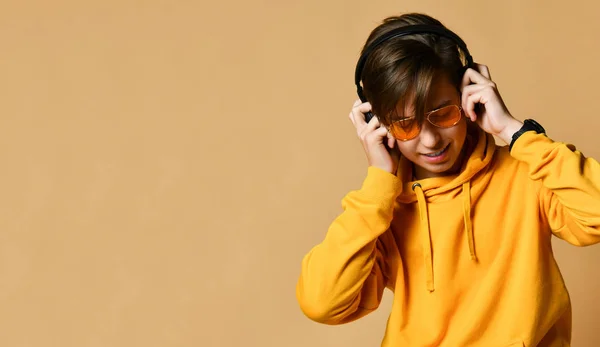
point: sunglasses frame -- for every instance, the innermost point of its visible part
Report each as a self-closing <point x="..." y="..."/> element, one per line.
<point x="427" y="115"/>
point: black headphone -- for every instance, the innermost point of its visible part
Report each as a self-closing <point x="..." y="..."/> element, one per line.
<point x="404" y="31"/>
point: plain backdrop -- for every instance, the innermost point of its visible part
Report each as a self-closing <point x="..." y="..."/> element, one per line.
<point x="167" y="164"/>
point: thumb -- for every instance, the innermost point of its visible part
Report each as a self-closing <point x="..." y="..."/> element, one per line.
<point x="380" y="134"/>
<point x="391" y="141"/>
<point x="383" y="131"/>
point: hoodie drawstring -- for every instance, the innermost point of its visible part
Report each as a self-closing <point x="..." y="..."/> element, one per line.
<point x="467" y="217"/>
<point x="424" y="222"/>
<point x="426" y="233"/>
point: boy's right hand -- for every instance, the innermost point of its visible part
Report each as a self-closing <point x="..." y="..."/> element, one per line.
<point x="372" y="135"/>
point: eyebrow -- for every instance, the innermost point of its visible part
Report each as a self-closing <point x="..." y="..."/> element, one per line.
<point x="439" y="105"/>
<point x="442" y="104"/>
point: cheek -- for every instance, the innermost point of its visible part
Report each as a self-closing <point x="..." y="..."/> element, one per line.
<point x="458" y="132"/>
<point x="407" y="148"/>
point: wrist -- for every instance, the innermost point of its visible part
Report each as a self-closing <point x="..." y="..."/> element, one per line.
<point x="381" y="184"/>
<point x="509" y="130"/>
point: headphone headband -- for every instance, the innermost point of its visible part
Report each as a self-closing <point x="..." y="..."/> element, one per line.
<point x="404" y="31"/>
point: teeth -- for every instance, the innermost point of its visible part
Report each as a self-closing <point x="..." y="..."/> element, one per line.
<point x="436" y="153"/>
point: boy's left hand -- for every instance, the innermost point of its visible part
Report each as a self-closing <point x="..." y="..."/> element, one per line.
<point x="491" y="115"/>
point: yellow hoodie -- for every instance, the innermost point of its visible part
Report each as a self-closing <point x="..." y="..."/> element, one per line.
<point x="468" y="257"/>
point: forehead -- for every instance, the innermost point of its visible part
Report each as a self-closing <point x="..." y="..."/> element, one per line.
<point x="442" y="92"/>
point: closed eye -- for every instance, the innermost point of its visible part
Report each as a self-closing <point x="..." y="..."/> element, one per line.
<point x="405" y="122"/>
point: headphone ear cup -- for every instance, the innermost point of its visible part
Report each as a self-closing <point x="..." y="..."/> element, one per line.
<point x="368" y="115"/>
<point x="361" y="94"/>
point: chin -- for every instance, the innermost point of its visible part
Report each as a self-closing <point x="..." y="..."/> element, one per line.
<point x="439" y="168"/>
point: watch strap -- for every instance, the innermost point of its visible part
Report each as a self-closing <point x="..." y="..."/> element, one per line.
<point x="528" y="125"/>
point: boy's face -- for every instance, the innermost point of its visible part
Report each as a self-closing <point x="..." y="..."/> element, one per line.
<point x="436" y="151"/>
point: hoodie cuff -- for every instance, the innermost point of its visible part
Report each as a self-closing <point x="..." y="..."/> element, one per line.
<point x="381" y="185"/>
<point x="531" y="146"/>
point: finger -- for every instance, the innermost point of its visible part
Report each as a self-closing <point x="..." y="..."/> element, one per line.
<point x="365" y="129"/>
<point x="373" y="124"/>
<point x="352" y="118"/>
<point x="473" y="77"/>
<point x="358" y="113"/>
<point x="364" y="107"/>
<point x="390" y="139"/>
<point x="358" y="118"/>
<point x="472" y="101"/>
<point x="467" y="92"/>
<point x="376" y="137"/>
<point x="484" y="71"/>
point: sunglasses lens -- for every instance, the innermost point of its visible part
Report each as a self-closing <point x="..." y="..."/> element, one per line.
<point x="408" y="128"/>
<point x="445" y="117"/>
<point x="405" y="129"/>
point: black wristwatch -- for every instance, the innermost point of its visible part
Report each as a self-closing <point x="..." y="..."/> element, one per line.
<point x="528" y="125"/>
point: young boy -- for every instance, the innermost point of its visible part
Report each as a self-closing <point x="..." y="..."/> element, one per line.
<point x="458" y="228"/>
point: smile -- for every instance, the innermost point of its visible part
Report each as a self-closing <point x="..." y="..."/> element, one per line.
<point x="437" y="154"/>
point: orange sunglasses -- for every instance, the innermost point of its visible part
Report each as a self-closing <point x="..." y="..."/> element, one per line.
<point x="444" y="117"/>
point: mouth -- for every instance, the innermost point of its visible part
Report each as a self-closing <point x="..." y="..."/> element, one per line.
<point x="437" y="156"/>
<point x="438" y="153"/>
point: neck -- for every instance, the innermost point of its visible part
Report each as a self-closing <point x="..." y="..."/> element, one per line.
<point x="420" y="173"/>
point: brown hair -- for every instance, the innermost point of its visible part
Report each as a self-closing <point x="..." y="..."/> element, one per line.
<point x="402" y="69"/>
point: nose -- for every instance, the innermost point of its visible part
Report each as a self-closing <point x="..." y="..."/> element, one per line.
<point x="430" y="136"/>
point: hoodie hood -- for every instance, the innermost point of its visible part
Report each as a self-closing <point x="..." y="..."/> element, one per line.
<point x="467" y="185"/>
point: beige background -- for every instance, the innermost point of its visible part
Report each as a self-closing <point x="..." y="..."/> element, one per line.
<point x="166" y="164"/>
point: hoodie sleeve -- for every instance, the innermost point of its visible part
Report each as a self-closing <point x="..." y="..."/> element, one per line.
<point x="570" y="186"/>
<point x="343" y="277"/>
